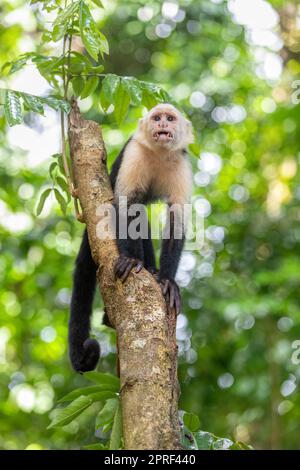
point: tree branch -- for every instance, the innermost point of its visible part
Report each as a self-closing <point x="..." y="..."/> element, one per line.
<point x="145" y="329"/>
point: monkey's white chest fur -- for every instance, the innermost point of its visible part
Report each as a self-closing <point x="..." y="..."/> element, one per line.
<point x="166" y="174"/>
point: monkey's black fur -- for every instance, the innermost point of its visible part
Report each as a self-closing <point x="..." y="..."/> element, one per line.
<point x="84" y="352"/>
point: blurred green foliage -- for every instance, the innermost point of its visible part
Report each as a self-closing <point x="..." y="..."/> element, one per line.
<point x="237" y="367"/>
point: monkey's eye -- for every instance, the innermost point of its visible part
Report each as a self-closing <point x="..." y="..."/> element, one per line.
<point x="171" y="118"/>
<point x="156" y="117"/>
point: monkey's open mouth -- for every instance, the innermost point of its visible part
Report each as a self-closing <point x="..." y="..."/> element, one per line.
<point x="163" y="136"/>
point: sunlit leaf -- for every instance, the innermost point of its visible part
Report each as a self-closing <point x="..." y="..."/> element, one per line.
<point x="204" y="440"/>
<point x="61" y="200"/>
<point x="117" y="431"/>
<point x="65" y="415"/>
<point x="63" y="186"/>
<point x="121" y="103"/>
<point x="13" y="108"/>
<point x="133" y="88"/>
<point x="101" y="378"/>
<point x="61" y="23"/>
<point x="94" y="41"/>
<point x="52" y="167"/>
<point x="97" y="446"/>
<point x="89" y="87"/>
<point x="32" y="103"/>
<point x="148" y="100"/>
<point x="57" y="103"/>
<point x="222" y="444"/>
<point x="79" y="392"/>
<point x="106" y="416"/>
<point x="191" y="421"/>
<point x="78" y="85"/>
<point x="42" y="200"/>
<point x="98" y="3"/>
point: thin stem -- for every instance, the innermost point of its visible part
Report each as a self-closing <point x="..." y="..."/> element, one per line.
<point x="87" y="75"/>
<point x="63" y="151"/>
<point x="62" y="127"/>
<point x="66" y="79"/>
<point x="63" y="68"/>
<point x="69" y="61"/>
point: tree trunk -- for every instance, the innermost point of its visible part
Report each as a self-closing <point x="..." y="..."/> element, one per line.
<point x="145" y="328"/>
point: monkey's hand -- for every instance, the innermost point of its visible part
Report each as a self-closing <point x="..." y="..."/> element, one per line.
<point x="124" y="266"/>
<point x="171" y="293"/>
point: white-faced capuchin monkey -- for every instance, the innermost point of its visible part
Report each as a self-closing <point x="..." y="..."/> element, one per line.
<point x="153" y="165"/>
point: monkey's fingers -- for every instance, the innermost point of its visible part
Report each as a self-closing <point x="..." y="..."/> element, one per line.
<point x="131" y="263"/>
<point x="165" y="286"/>
<point x="139" y="266"/>
<point x="124" y="266"/>
<point x="175" y="298"/>
<point x="171" y="296"/>
<point x="120" y="266"/>
<point x="171" y="293"/>
<point x="177" y="301"/>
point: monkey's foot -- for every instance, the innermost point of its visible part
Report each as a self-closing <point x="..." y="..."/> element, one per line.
<point x="124" y="266"/>
<point x="171" y="293"/>
<point x="154" y="272"/>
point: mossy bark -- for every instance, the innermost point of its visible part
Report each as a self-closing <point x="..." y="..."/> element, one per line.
<point x="145" y="328"/>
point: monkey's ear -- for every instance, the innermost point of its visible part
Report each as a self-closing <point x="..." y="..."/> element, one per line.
<point x="190" y="139"/>
<point x="141" y="124"/>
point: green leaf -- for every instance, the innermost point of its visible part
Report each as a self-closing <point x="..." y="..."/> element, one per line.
<point x="204" y="440"/>
<point x="110" y="85"/>
<point x="94" y="41"/>
<point x="32" y="103"/>
<point x="101" y="378"/>
<point x="191" y="421"/>
<point x="57" y="103"/>
<point x="121" y="103"/>
<point x="52" y="167"/>
<point x="93" y="391"/>
<point x="222" y="444"/>
<point x="117" y="431"/>
<point x="69" y="413"/>
<point x="148" y="99"/>
<point x="79" y="64"/>
<point x="106" y="416"/>
<point x="61" y="23"/>
<point x="61" y="200"/>
<point x="89" y="87"/>
<point x="187" y="439"/>
<point x="242" y="446"/>
<point x="80" y="392"/>
<point x="104" y="47"/>
<point x="12" y="108"/>
<point x="42" y="200"/>
<point x="98" y="3"/>
<point x="18" y="64"/>
<point x="133" y="88"/>
<point x="78" y="85"/>
<point x="59" y="158"/>
<point x="97" y="69"/>
<point x="63" y="186"/>
<point x="97" y="446"/>
<point x="104" y="395"/>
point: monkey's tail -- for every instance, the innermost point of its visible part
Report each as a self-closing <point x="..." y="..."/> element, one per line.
<point x="84" y="352"/>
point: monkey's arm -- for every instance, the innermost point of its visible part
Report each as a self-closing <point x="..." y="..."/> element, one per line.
<point x="172" y="246"/>
<point x="130" y="249"/>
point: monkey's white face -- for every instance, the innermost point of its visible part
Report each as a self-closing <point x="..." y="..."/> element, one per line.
<point x="165" y="126"/>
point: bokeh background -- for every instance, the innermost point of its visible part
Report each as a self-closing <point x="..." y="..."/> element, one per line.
<point x="233" y="66"/>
